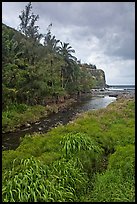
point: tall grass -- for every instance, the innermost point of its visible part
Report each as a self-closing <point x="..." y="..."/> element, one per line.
<point x="74" y="143"/>
<point x="34" y="182"/>
<point x="117" y="183"/>
<point x="25" y="184"/>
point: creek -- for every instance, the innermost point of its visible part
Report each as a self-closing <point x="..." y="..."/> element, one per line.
<point x="12" y="140"/>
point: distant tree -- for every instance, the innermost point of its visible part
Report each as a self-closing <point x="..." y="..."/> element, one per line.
<point x="92" y="66"/>
<point x="79" y="62"/>
<point x="66" y="50"/>
<point x="27" y="25"/>
<point x="50" y="41"/>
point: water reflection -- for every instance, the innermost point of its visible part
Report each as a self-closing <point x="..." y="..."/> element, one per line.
<point x="95" y="103"/>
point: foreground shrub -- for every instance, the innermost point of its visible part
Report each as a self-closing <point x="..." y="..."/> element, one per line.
<point x="34" y="182"/>
<point x="79" y="145"/>
<point x="74" y="143"/>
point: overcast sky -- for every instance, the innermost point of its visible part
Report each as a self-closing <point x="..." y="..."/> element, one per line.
<point x="101" y="33"/>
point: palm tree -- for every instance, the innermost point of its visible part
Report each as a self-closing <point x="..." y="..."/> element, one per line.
<point x="27" y="25"/>
<point x="65" y="50"/>
<point x="67" y="71"/>
<point x="51" y="42"/>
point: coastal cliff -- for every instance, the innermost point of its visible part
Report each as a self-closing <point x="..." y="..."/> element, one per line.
<point x="99" y="78"/>
<point x="98" y="75"/>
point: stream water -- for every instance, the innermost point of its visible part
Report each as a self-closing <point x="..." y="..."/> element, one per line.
<point x="12" y="140"/>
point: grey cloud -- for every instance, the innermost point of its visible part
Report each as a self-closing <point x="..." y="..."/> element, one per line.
<point x="94" y="19"/>
<point x="83" y="13"/>
<point x="120" y="44"/>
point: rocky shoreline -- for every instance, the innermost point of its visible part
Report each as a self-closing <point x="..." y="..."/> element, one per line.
<point x="113" y="93"/>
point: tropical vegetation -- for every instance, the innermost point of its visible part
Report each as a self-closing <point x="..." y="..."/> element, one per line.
<point x="91" y="159"/>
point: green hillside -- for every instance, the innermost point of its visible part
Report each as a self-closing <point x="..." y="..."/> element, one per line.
<point x="33" y="72"/>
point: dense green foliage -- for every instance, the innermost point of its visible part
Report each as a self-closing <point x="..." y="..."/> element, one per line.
<point x="33" y="71"/>
<point x="90" y="159"/>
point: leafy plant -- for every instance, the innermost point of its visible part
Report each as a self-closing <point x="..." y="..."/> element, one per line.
<point x="33" y="182"/>
<point x="25" y="184"/>
<point x="75" y="142"/>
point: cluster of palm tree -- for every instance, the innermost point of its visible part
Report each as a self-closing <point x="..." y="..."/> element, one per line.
<point x="27" y="27"/>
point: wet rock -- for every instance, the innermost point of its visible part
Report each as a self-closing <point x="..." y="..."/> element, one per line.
<point x="58" y="123"/>
<point x="40" y="128"/>
<point x="126" y="95"/>
<point x="27" y="125"/>
<point x="61" y="99"/>
<point x="3" y="147"/>
<point x="71" y="122"/>
<point x="37" y="123"/>
<point x="113" y="95"/>
<point x="25" y="129"/>
<point x="64" y="111"/>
